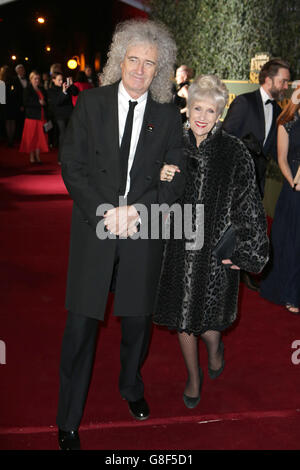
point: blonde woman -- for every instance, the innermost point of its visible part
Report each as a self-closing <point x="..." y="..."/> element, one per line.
<point x="34" y="140"/>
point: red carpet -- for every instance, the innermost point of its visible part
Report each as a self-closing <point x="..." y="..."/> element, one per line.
<point x="254" y="404"/>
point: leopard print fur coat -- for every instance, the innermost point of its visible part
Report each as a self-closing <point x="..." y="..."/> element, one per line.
<point x="196" y="292"/>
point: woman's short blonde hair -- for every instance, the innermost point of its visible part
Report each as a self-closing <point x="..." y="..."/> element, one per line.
<point x="208" y="87"/>
<point x="33" y="74"/>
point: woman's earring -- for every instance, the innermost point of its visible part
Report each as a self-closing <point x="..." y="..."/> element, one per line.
<point x="187" y="124"/>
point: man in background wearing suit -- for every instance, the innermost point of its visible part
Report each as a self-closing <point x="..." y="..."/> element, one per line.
<point x="252" y="117"/>
<point x="119" y="136"/>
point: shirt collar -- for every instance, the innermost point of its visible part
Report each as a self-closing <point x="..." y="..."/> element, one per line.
<point x="127" y="97"/>
<point x="264" y="95"/>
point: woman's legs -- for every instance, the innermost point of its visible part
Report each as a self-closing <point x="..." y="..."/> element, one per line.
<point x="212" y="340"/>
<point x="37" y="155"/>
<point x="189" y="348"/>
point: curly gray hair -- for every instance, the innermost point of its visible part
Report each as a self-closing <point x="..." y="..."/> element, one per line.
<point x="208" y="87"/>
<point x="133" y="32"/>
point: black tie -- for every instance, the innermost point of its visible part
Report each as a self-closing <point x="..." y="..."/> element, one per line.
<point x="270" y="101"/>
<point x="125" y="146"/>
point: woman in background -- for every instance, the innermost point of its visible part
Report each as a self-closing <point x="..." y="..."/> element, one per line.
<point x="81" y="83"/>
<point x="60" y="104"/>
<point x="282" y="284"/>
<point x="180" y="96"/>
<point x="10" y="107"/>
<point x="34" y="140"/>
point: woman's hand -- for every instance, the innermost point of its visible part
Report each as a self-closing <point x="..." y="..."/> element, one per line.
<point x="297" y="187"/>
<point x="42" y="102"/>
<point x="168" y="171"/>
<point x="228" y="261"/>
<point x="67" y="84"/>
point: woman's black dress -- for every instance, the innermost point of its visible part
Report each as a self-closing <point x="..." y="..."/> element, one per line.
<point x="282" y="284"/>
<point x="196" y="292"/>
<point x="180" y="101"/>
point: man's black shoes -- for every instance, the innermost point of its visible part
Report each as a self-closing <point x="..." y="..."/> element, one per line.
<point x="68" y="440"/>
<point x="139" y="409"/>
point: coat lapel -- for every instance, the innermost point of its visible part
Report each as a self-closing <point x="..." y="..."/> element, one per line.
<point x="109" y="131"/>
<point x="261" y="116"/>
<point x="145" y="138"/>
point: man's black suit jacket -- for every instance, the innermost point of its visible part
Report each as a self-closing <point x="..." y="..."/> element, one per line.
<point x="245" y="119"/>
<point x="91" y="172"/>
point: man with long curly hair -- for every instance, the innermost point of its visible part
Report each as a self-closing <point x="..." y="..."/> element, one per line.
<point x="119" y="136"/>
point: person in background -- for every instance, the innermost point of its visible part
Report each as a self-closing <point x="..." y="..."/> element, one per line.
<point x="99" y="79"/>
<point x="11" y="107"/>
<point x="198" y="292"/>
<point x="21" y="75"/>
<point x="60" y="104"/>
<point x="55" y="68"/>
<point x="282" y="283"/>
<point x="183" y="76"/>
<point x="252" y="117"/>
<point x="256" y="112"/>
<point x="46" y="80"/>
<point x="91" y="76"/>
<point x="81" y="83"/>
<point x="34" y="140"/>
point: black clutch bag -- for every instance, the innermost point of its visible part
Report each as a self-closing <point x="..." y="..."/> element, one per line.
<point x="226" y="245"/>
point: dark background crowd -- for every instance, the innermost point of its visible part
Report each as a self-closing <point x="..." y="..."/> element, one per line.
<point x="45" y="37"/>
<point x="60" y="89"/>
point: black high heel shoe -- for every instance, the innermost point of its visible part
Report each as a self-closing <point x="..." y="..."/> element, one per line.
<point x="192" y="402"/>
<point x="213" y="374"/>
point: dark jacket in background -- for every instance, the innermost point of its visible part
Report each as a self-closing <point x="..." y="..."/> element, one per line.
<point x="246" y="116"/>
<point x="33" y="108"/>
<point x="60" y="103"/>
<point x="19" y="91"/>
<point x="11" y="103"/>
<point x="245" y="119"/>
